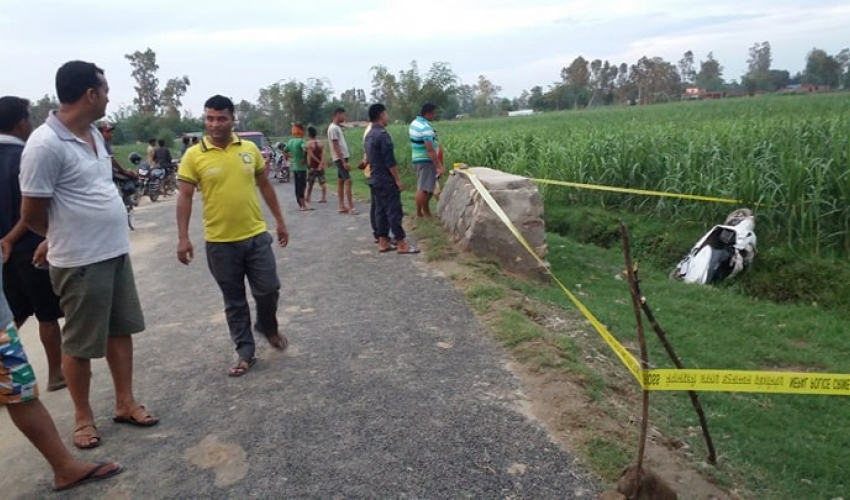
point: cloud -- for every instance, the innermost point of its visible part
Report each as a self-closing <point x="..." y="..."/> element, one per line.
<point x="237" y="48"/>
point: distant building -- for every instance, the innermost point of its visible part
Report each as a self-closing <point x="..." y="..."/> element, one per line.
<point x="695" y="93"/>
<point x="806" y="88"/>
<point x="521" y="112"/>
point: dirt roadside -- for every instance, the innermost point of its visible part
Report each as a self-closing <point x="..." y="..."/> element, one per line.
<point x="589" y="404"/>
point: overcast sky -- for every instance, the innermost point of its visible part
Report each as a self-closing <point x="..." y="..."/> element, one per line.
<point x="237" y="47"/>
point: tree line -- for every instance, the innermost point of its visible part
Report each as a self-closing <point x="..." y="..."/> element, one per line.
<point x="157" y="110"/>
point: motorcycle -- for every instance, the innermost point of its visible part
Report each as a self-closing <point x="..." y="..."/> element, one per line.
<point x="280" y="163"/>
<point x="128" y="189"/>
<point x="150" y="179"/>
<point x="169" y="181"/>
<point x="723" y="252"/>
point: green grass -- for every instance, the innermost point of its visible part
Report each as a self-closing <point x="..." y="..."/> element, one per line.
<point x="790" y="154"/>
<point x="786" y="157"/>
<point x="481" y="295"/>
<point x="779" y="446"/>
<point x="607" y="456"/>
<point x="122" y="151"/>
<point x="513" y="328"/>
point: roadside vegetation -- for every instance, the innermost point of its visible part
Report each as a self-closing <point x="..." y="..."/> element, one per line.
<point x="786" y="157"/>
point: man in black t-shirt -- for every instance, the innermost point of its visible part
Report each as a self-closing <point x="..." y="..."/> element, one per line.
<point x="27" y="287"/>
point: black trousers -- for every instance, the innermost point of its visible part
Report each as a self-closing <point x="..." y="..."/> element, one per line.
<point x="300" y="186"/>
<point x="388" y="211"/>
<point x="230" y="263"/>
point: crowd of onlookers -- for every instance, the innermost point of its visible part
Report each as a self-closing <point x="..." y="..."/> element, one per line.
<point x="65" y="243"/>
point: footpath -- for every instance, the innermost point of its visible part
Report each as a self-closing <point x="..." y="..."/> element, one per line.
<point x="389" y="388"/>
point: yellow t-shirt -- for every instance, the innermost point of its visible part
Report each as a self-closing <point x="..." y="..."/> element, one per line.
<point x="368" y="170"/>
<point x="227" y="180"/>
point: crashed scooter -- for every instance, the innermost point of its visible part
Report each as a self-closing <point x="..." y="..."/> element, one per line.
<point x="723" y="252"/>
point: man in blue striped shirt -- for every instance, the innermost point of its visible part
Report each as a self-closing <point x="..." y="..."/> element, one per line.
<point x="426" y="162"/>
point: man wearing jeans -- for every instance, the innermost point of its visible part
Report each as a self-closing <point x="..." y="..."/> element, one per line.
<point x="227" y="170"/>
<point x="386" y="184"/>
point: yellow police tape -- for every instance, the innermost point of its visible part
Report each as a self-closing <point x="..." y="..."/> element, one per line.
<point x="747" y="381"/>
<point x="665" y="194"/>
<point x="664" y="379"/>
<point x="625" y="356"/>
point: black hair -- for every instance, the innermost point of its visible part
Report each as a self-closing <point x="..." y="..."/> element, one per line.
<point x="151" y="141"/>
<point x="186" y="139"/>
<point x="375" y="111"/>
<point x="427" y="108"/>
<point x="311" y="131"/>
<point x="219" y="103"/>
<point x="161" y="143"/>
<point x="75" y="78"/>
<point x="196" y="139"/>
<point x="12" y="111"/>
<point x="339" y="110"/>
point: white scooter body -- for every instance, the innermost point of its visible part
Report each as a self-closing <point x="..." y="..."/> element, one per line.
<point x="716" y="252"/>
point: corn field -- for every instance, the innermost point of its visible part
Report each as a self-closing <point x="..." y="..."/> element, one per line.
<point x="787" y="157"/>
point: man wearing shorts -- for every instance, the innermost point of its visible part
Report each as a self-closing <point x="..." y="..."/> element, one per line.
<point x="426" y="160"/>
<point x="68" y="195"/>
<point x="28" y="289"/>
<point x="19" y="394"/>
<point x="339" y="153"/>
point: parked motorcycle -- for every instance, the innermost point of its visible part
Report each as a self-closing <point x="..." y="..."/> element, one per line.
<point x="150" y="179"/>
<point x="128" y="188"/>
<point x="723" y="252"/>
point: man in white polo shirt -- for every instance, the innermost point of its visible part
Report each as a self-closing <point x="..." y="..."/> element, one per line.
<point x="68" y="196"/>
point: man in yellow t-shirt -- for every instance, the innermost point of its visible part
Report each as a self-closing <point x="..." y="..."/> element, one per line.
<point x="227" y="171"/>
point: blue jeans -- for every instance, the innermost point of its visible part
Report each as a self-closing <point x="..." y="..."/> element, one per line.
<point x="388" y="211"/>
<point x="230" y="263"/>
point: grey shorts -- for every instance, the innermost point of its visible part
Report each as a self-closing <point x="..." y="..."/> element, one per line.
<point x="426" y="177"/>
<point x="342" y="173"/>
<point x="99" y="300"/>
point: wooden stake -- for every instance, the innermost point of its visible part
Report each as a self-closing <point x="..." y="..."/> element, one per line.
<point x="662" y="336"/>
<point x="644" y="359"/>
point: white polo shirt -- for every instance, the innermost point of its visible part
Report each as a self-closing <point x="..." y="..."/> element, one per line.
<point x="87" y="219"/>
